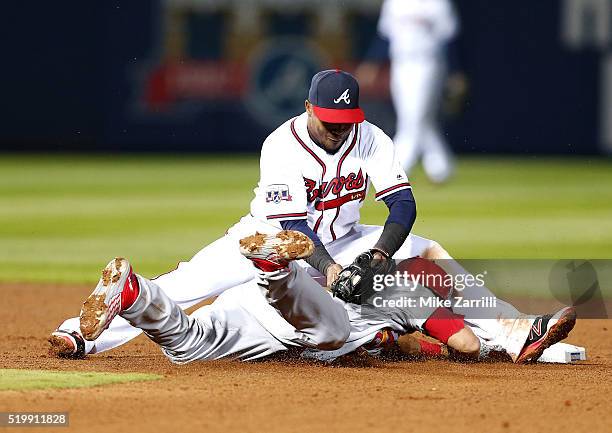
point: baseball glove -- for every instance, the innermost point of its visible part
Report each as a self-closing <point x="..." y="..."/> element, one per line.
<point x="355" y="282"/>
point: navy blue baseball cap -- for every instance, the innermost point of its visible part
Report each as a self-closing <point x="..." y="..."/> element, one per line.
<point x="334" y="95"/>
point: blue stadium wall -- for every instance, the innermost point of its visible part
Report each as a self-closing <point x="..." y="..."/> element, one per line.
<point x="173" y="76"/>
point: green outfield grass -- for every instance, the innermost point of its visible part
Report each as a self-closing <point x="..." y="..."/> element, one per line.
<point x="63" y="217"/>
<point x="21" y="380"/>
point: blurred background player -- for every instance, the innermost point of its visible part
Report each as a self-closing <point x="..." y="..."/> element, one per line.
<point x="416" y="34"/>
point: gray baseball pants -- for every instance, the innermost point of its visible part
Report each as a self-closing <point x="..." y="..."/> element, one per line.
<point x="309" y="317"/>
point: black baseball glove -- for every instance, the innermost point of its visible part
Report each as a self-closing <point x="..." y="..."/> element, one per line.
<point x="356" y="281"/>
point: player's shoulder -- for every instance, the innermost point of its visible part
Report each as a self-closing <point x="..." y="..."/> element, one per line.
<point x="373" y="137"/>
<point x="370" y="130"/>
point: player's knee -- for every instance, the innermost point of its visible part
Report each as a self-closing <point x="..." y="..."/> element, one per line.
<point x="435" y="252"/>
<point x="331" y="341"/>
<point x="465" y="341"/>
<point x="333" y="337"/>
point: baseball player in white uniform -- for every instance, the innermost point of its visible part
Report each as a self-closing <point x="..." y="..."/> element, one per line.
<point x="417" y="32"/>
<point x="315" y="172"/>
<point x="298" y="313"/>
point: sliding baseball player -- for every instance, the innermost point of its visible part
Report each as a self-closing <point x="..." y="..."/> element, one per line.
<point x="297" y="312"/>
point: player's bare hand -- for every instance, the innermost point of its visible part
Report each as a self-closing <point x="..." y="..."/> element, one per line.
<point x="379" y="256"/>
<point x="332" y="273"/>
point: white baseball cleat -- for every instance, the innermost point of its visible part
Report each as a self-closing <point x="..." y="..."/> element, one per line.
<point x="274" y="252"/>
<point x="116" y="291"/>
<point x="546" y="331"/>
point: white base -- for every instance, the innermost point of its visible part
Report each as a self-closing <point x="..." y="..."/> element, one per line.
<point x="563" y="353"/>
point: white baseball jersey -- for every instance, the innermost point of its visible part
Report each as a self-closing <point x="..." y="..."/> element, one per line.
<point x="301" y="180"/>
<point x="417" y="26"/>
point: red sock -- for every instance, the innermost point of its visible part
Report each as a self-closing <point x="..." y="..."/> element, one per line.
<point x="430" y="349"/>
<point x="130" y="291"/>
<point x="443" y="324"/>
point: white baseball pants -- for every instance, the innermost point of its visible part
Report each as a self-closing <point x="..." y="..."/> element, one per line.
<point x="416" y="85"/>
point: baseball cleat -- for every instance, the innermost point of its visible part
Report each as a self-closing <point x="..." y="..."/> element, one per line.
<point x="116" y="291"/>
<point x="66" y="344"/>
<point x="546" y="331"/>
<point x="274" y="252"/>
<point x="385" y="338"/>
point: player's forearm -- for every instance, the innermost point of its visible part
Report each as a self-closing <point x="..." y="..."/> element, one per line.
<point x="392" y="238"/>
<point x="320" y="258"/>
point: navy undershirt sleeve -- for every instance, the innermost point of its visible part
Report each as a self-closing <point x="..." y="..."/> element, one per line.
<point x="402" y="208"/>
<point x="302" y="226"/>
<point x="402" y="214"/>
<point x="320" y="258"/>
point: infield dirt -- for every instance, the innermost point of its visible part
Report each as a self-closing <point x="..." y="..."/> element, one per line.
<point x="279" y="396"/>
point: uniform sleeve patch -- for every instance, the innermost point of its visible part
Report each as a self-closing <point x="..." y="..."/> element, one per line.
<point x="277" y="193"/>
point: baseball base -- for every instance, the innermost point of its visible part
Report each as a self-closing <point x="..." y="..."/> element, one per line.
<point x="563" y="353"/>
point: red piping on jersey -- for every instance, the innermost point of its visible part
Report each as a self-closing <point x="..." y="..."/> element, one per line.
<point x="337" y="202"/>
<point x="331" y="227"/>
<point x="321" y="163"/>
<point x="318" y="223"/>
<point x="391" y="188"/>
<point x="365" y="190"/>
<point x="297" y="137"/>
<point x="286" y="215"/>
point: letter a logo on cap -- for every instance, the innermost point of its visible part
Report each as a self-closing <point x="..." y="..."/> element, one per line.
<point x="327" y="105"/>
<point x="344" y="97"/>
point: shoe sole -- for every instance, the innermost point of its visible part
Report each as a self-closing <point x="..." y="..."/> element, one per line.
<point x="60" y="347"/>
<point x="64" y="345"/>
<point x="105" y="302"/>
<point x="558" y="332"/>
<point x="287" y="244"/>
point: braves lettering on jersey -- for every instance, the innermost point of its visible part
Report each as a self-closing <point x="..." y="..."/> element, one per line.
<point x="301" y="180"/>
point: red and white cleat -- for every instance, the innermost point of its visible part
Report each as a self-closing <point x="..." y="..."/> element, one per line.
<point x="274" y="252"/>
<point x="116" y="291"/>
<point x="546" y="331"/>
